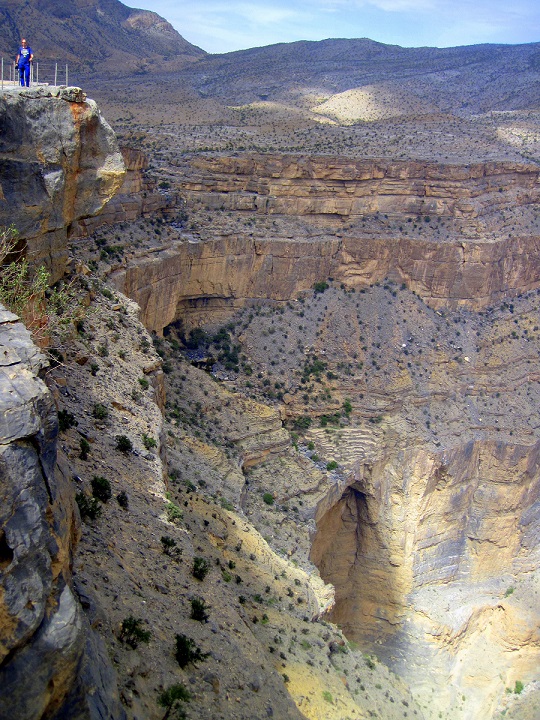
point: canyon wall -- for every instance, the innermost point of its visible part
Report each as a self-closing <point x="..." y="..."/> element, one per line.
<point x="51" y="663"/>
<point x="424" y="548"/>
<point x="453" y="234"/>
<point x="293" y="185"/>
<point x="188" y="279"/>
<point x="59" y="163"/>
<point x="137" y="197"/>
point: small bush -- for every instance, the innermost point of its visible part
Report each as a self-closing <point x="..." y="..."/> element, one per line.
<point x="124" y="444"/>
<point x="187" y="651"/>
<point x="199" y="609"/>
<point x="320" y="287"/>
<point x="88" y="507"/>
<point x="85" y="449"/>
<point x="169" y="546"/>
<point x="268" y="498"/>
<point x="327" y="695"/>
<point x="66" y="420"/>
<point x="143" y="382"/>
<point x="171" y="700"/>
<point x="101" y="488"/>
<point x="100" y="412"/>
<point x="200" y="568"/>
<point x="518" y="687"/>
<point x="149" y="442"/>
<point x="302" y="423"/>
<point x="122" y="499"/>
<point x="132" y="633"/>
<point x="174" y="514"/>
<point x="332" y="465"/>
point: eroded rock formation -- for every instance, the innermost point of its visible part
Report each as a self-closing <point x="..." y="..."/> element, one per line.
<point x="59" y="162"/>
<point x="51" y="663"/>
<point x="456" y="235"/>
<point x="422" y="548"/>
<point x="292" y="185"/>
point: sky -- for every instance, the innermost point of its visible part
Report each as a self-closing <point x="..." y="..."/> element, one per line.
<point x="219" y="26"/>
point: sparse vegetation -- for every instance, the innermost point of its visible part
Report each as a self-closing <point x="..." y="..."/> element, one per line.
<point x="132" y="632"/>
<point x="187" y="651"/>
<point x="101" y="488"/>
<point x="172" y="700"/>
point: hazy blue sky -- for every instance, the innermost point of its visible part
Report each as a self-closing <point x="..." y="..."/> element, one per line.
<point x="225" y="25"/>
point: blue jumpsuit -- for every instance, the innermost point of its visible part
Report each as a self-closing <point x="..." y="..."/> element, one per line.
<point x="24" y="65"/>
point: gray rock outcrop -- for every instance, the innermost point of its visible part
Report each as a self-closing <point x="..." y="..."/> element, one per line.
<point x="59" y="163"/>
<point x="51" y="663"/>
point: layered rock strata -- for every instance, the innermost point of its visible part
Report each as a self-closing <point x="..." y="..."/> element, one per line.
<point x="59" y="162"/>
<point x="191" y="279"/>
<point x="292" y="185"/>
<point x="450" y="233"/>
<point x="51" y="663"/>
<point x="137" y="197"/>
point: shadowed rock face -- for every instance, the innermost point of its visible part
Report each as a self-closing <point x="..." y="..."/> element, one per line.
<point x="49" y="658"/>
<point x="422" y="548"/>
<point x="59" y="162"/>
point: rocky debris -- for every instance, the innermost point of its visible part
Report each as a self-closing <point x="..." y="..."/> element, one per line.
<point x="42" y="630"/>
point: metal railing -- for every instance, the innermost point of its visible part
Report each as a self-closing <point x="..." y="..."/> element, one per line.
<point x="41" y="73"/>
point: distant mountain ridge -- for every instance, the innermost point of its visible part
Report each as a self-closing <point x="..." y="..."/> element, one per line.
<point x="94" y="35"/>
<point x="475" y="78"/>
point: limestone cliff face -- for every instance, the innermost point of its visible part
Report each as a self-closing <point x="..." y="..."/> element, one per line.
<point x="59" y="162"/>
<point x="137" y="197"/>
<point x="51" y="664"/>
<point x="291" y="185"/>
<point x="450" y="233"/>
<point x="423" y="548"/>
<point x="187" y="279"/>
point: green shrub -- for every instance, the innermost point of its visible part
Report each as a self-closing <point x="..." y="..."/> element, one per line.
<point x="268" y="498"/>
<point x="327" y="695"/>
<point x="226" y="504"/>
<point x="187" y="651"/>
<point x="66" y="420"/>
<point x="143" y="382"/>
<point x="122" y="499"/>
<point x="101" y="488"/>
<point x="132" y="633"/>
<point x="171" y="700"/>
<point x="174" y="514"/>
<point x="170" y="546"/>
<point x="88" y="507"/>
<point x="200" y="568"/>
<point x="320" y="287"/>
<point x="302" y="423"/>
<point x="100" y="412"/>
<point x="149" y="442"/>
<point x="124" y="444"/>
<point x="332" y="465"/>
<point x="518" y="687"/>
<point x="85" y="449"/>
<point x="199" y="609"/>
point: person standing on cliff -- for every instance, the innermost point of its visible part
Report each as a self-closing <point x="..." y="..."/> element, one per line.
<point x="24" y="58"/>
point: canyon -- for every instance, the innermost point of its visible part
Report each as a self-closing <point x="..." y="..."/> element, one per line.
<point x="327" y="364"/>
